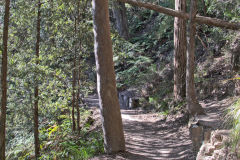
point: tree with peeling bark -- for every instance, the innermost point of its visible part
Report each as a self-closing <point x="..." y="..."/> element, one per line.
<point x="180" y="48"/>
<point x="36" y="89"/>
<point x="4" y="81"/>
<point x="119" y="13"/>
<point x="193" y="106"/>
<point x="106" y="82"/>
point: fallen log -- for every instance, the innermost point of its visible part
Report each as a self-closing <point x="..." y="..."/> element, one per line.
<point x="171" y="12"/>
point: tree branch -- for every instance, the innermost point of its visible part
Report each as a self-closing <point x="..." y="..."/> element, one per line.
<point x="199" y="19"/>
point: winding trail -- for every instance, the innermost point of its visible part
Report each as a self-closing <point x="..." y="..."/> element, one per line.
<point x="149" y="136"/>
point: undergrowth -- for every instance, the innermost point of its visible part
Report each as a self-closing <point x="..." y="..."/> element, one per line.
<point x="233" y="120"/>
<point x="59" y="142"/>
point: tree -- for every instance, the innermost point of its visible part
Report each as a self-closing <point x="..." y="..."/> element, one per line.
<point x="106" y="82"/>
<point x="193" y="105"/>
<point x="119" y="13"/>
<point x="78" y="94"/>
<point x="73" y="93"/>
<point x="4" y="81"/>
<point x="77" y="17"/>
<point x="36" y="90"/>
<point x="180" y="44"/>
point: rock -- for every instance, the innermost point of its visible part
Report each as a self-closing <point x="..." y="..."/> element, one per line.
<point x="207" y="136"/>
<point x="196" y="133"/>
<point x="201" y="153"/>
<point x="209" y="151"/>
<point x="215" y="149"/>
<point x="218" y="145"/>
<point x="127" y="99"/>
<point x="216" y="154"/>
<point x="133" y="103"/>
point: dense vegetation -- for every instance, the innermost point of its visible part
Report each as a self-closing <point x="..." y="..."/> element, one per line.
<point x="143" y="62"/>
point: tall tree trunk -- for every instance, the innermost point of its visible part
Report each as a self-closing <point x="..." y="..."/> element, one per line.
<point x="73" y="94"/>
<point x="78" y="72"/>
<point x="180" y="44"/>
<point x="106" y="82"/>
<point x="192" y="103"/>
<point x="4" y="81"/>
<point x="78" y="98"/>
<point x="119" y="13"/>
<point x="36" y="97"/>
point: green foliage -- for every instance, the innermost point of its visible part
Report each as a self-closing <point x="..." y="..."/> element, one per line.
<point x="135" y="74"/>
<point x="58" y="142"/>
<point x="227" y="10"/>
<point x="136" y="62"/>
<point x="233" y="120"/>
<point x="53" y="74"/>
<point x="63" y="144"/>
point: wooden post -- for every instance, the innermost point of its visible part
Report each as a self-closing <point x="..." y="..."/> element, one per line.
<point x="192" y="103"/>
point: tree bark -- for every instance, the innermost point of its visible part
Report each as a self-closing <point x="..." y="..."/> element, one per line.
<point x="73" y="94"/>
<point x="78" y="97"/>
<point x="36" y="97"/>
<point x="193" y="106"/>
<point x="199" y="19"/>
<point x="119" y="13"/>
<point x="204" y="8"/>
<point x="106" y="82"/>
<point x="78" y="72"/>
<point x="180" y="44"/>
<point x="4" y="82"/>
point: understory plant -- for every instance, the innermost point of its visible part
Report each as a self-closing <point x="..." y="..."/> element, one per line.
<point x="233" y="120"/>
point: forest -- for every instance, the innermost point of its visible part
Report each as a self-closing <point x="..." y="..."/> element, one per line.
<point x="120" y="79"/>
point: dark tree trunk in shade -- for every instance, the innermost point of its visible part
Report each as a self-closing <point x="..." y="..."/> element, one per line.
<point x="78" y="99"/>
<point x="193" y="106"/>
<point x="106" y="82"/>
<point x="78" y="69"/>
<point x="73" y="94"/>
<point x="4" y="82"/>
<point x="119" y="13"/>
<point x="180" y="45"/>
<point x="36" y="90"/>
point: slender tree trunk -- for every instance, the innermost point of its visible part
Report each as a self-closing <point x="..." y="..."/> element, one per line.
<point x="36" y="97"/>
<point x="119" y="13"/>
<point x="204" y="8"/>
<point x="106" y="82"/>
<point x="73" y="94"/>
<point x="180" y="44"/>
<point x="4" y="82"/>
<point x="78" y="72"/>
<point x="193" y="106"/>
<point x="78" y="100"/>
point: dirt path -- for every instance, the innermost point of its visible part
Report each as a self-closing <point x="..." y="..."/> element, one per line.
<point x="151" y="137"/>
<point x="148" y="137"/>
